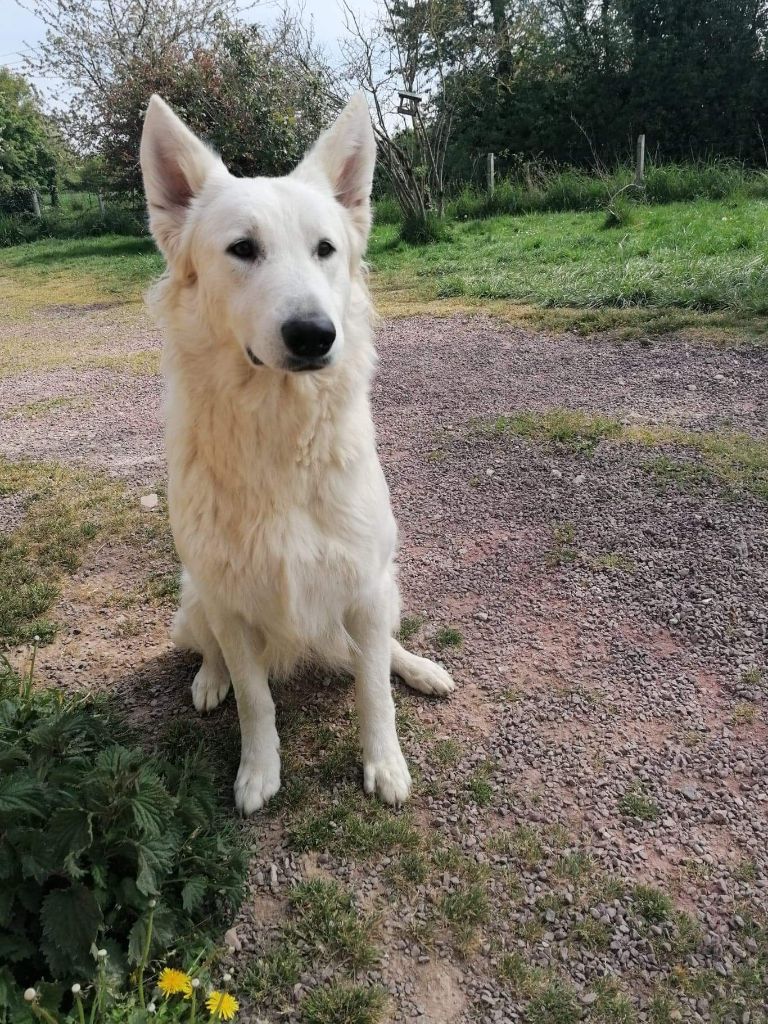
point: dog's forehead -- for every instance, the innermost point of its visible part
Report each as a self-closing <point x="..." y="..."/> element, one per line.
<point x="269" y="208"/>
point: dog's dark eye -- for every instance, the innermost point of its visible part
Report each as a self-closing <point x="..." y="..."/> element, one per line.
<point x="244" y="249"/>
<point x="324" y="249"/>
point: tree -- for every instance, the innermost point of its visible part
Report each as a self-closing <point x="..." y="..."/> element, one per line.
<point x="29" y="149"/>
<point x="258" y="100"/>
<point x="411" y="46"/>
<point x="92" y="44"/>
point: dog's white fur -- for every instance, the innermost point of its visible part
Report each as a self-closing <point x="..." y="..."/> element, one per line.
<point x="278" y="504"/>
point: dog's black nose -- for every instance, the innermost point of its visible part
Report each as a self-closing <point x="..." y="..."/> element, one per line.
<point x="308" y="337"/>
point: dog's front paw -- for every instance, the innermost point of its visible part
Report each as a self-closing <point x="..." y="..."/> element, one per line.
<point x="388" y="777"/>
<point x="427" y="677"/>
<point x="209" y="688"/>
<point x="256" y="782"/>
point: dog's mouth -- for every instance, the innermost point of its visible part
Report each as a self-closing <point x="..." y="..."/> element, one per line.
<point x="254" y="359"/>
<point x="294" y="365"/>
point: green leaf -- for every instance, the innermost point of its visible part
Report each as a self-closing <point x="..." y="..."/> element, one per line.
<point x="15" y="947"/>
<point x="69" y="831"/>
<point x="193" y="893"/>
<point x="71" y="919"/>
<point x="21" y="794"/>
<point x="151" y="805"/>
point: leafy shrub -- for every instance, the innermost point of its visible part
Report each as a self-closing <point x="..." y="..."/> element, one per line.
<point x="424" y="230"/>
<point x="91" y="830"/>
<point x="17" y="228"/>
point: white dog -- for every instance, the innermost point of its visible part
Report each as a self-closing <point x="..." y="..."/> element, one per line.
<point x="278" y="504"/>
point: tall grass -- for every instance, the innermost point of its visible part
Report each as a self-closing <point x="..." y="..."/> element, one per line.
<point x="544" y="190"/>
<point x="16" y="228"/>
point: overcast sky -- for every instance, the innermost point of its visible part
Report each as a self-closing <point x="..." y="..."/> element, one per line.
<point x="20" y="29"/>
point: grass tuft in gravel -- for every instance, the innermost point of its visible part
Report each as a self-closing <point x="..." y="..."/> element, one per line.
<point x="446" y="751"/>
<point x="324" y="927"/>
<point x="448" y="636"/>
<point x="651" y="904"/>
<point x="563" y="550"/>
<point x="342" y="1003"/>
<point x="636" y="803"/>
<point x="554" y="1003"/>
<point x="64" y="511"/>
<point x="569" y="428"/>
<point x="327" y="920"/>
<point x="352" y="826"/>
<point x="409" y="627"/>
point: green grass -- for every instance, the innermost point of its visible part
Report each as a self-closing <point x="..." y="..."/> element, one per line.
<point x="636" y="803"/>
<point x="448" y="636"/>
<point x="342" y="1003"/>
<point x="327" y="920"/>
<point x="64" y="511"/>
<point x="704" y="256"/>
<point x="569" y="428"/>
<point x="324" y="927"/>
<point x="684" y="265"/>
<point x="410" y="626"/>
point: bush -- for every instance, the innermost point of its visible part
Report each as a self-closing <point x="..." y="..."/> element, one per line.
<point x="424" y="230"/>
<point x="93" y="829"/>
<point x="386" y="210"/>
<point x="17" y="228"/>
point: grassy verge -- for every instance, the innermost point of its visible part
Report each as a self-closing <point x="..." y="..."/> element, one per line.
<point x="61" y="512"/>
<point x="676" y="263"/>
<point x="695" y="266"/>
<point x="736" y="463"/>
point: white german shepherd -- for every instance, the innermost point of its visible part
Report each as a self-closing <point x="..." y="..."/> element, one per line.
<point x="278" y="504"/>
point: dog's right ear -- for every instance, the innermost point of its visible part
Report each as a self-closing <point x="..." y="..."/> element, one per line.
<point x="175" y="164"/>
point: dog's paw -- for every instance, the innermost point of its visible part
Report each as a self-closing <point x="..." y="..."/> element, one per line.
<point x="257" y="782"/>
<point x="388" y="777"/>
<point x="209" y="688"/>
<point x="427" y="677"/>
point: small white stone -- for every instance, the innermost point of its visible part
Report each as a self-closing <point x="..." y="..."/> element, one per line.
<point x="149" y="502"/>
<point x="232" y="940"/>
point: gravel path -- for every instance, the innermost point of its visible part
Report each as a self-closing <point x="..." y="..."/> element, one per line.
<point x="633" y="668"/>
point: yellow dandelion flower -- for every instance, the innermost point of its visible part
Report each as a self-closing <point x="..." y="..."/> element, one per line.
<point x="172" y="982"/>
<point x="222" y="1005"/>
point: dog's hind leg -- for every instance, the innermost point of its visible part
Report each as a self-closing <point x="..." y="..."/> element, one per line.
<point x="192" y="630"/>
<point x="420" y="673"/>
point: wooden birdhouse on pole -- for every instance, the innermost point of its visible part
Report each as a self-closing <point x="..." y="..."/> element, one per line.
<point x="409" y="103"/>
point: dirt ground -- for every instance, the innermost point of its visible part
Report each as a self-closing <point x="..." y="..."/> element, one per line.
<point x="610" y="606"/>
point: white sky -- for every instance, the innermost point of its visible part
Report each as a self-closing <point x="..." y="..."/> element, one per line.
<point x="20" y="29"/>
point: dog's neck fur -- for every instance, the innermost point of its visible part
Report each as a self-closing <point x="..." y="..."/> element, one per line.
<point x="219" y="405"/>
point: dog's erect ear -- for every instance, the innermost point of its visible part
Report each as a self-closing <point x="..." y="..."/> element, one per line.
<point x="175" y="165"/>
<point x="345" y="156"/>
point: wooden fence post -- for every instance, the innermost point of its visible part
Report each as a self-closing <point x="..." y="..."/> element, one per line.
<point x="491" y="172"/>
<point x="640" y="161"/>
<point x="36" y="204"/>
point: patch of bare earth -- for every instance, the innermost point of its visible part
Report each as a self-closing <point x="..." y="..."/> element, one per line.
<point x="578" y="682"/>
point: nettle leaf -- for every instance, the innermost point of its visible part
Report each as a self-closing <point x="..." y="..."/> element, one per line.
<point x="21" y="793"/>
<point x="194" y="892"/>
<point x="151" y="805"/>
<point x="71" y="919"/>
<point x="70" y="832"/>
<point x="15" y="947"/>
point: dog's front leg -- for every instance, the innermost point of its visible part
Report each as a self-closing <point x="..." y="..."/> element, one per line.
<point x="258" y="777"/>
<point x="384" y="769"/>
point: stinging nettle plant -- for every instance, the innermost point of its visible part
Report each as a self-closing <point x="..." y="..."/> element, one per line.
<point x="93" y="832"/>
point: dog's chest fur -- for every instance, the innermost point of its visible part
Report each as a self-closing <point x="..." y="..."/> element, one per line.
<point x="278" y="504"/>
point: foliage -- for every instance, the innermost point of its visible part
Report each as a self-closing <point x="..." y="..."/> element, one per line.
<point x="93" y="830"/>
<point x="29" y="150"/>
<point x="577" y="82"/>
<point x="242" y="92"/>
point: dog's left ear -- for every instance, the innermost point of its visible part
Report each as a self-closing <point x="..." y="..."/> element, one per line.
<point x="345" y="156"/>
